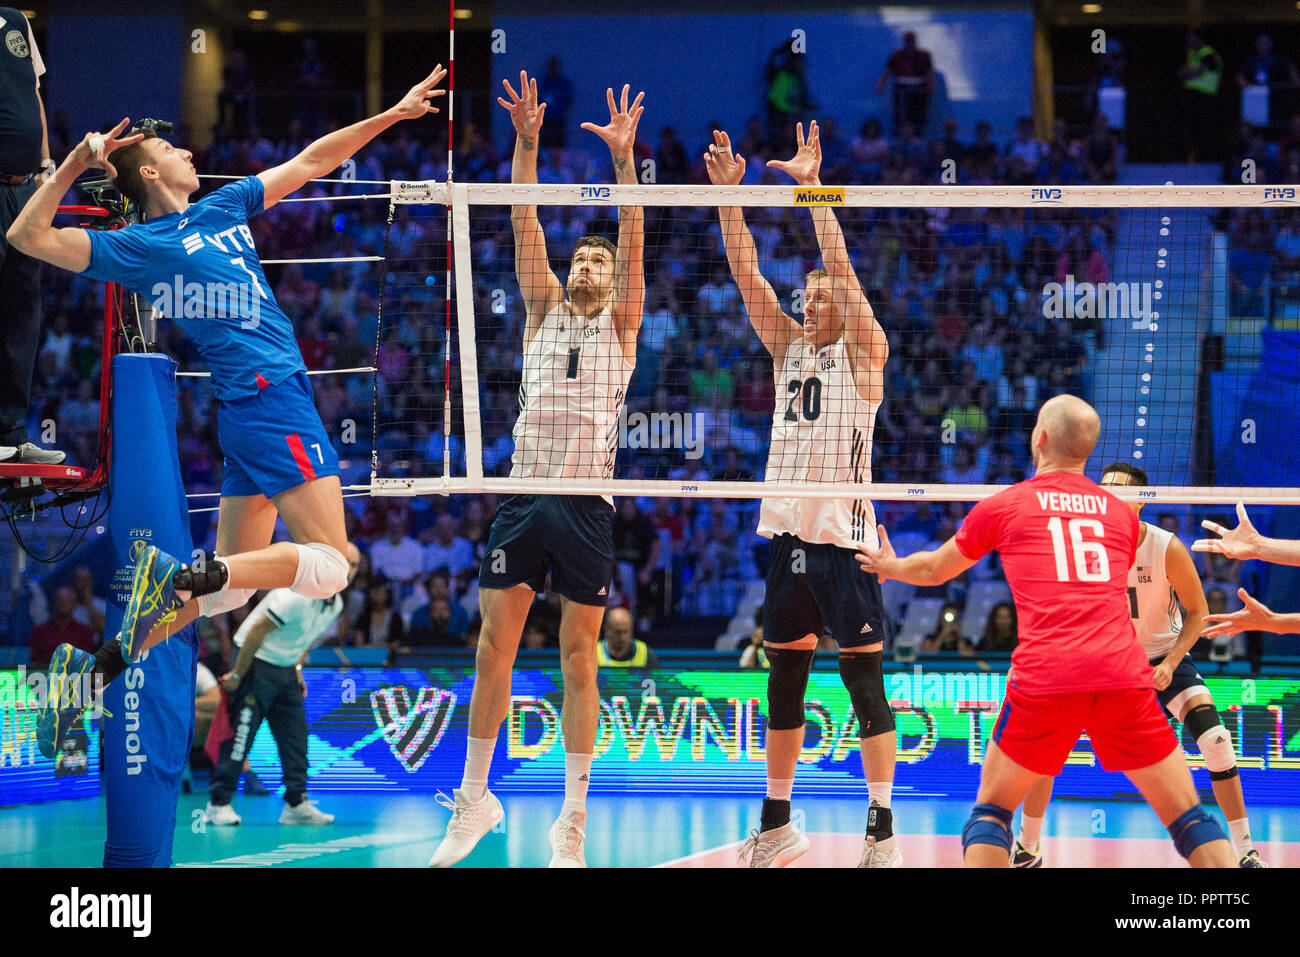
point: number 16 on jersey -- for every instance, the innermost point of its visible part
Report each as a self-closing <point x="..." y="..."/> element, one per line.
<point x="1090" y="561"/>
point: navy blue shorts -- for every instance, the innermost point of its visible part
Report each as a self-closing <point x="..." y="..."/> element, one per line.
<point x="570" y="536"/>
<point x="1186" y="682"/>
<point x="825" y="588"/>
<point x="274" y="440"/>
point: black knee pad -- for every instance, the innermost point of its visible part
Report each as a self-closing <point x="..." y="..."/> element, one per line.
<point x="865" y="680"/>
<point x="787" y="678"/>
<point x="1200" y="719"/>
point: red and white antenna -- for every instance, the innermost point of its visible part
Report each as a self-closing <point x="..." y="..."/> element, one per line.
<point x="446" y="353"/>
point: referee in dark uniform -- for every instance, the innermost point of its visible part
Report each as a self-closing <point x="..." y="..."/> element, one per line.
<point x="24" y="156"/>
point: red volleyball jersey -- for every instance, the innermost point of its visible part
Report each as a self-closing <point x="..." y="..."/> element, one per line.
<point x="1066" y="546"/>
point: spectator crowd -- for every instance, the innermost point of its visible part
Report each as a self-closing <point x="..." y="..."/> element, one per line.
<point x="959" y="292"/>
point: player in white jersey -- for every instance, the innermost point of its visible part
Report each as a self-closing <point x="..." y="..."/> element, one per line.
<point x="1162" y="578"/>
<point x="829" y="384"/>
<point x="579" y="352"/>
<point x="265" y="682"/>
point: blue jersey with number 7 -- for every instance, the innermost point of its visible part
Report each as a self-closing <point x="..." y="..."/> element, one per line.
<point x="201" y="269"/>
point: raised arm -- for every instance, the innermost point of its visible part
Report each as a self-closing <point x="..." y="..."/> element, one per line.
<point x="868" y="347"/>
<point x="775" y="329"/>
<point x="537" y="284"/>
<point x="628" y="305"/>
<point x="33" y="232"/>
<point x="332" y="150"/>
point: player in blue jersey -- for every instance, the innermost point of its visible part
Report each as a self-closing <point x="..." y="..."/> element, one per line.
<point x="198" y="261"/>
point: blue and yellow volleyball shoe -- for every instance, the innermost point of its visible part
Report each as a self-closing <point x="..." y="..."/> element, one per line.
<point x="153" y="600"/>
<point x="67" y="693"/>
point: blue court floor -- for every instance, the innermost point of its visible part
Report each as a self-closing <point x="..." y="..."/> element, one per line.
<point x="631" y="831"/>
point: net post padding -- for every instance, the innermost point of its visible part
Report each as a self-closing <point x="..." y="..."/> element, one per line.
<point x="472" y="418"/>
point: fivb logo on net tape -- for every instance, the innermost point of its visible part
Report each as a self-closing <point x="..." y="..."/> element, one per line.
<point x="595" y="194"/>
<point x="1047" y="196"/>
<point x="1280" y="195"/>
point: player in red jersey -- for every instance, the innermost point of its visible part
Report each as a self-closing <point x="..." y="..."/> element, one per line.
<point x="1066" y="545"/>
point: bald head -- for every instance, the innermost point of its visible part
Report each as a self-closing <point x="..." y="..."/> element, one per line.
<point x="1067" y="431"/>
<point x="618" y="630"/>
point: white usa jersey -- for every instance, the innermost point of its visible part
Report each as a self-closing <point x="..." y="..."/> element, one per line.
<point x="821" y="432"/>
<point x="574" y="381"/>
<point x="1152" y="602"/>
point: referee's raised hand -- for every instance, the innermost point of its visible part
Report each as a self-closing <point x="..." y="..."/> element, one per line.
<point x="94" y="149"/>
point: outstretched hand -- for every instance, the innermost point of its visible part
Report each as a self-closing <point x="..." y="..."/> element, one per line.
<point x="620" y="132"/>
<point x="93" y="151"/>
<point x="525" y="112"/>
<point x="1242" y="542"/>
<point x="416" y="102"/>
<point x="724" y="167"/>
<point x="1253" y="616"/>
<point x="807" y="162"/>
<point x="882" y="560"/>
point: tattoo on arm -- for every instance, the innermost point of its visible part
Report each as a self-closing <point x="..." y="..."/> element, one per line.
<point x="527" y="142"/>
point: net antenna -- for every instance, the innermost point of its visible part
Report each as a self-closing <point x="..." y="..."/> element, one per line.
<point x="451" y="113"/>
<point x="1115" y="293"/>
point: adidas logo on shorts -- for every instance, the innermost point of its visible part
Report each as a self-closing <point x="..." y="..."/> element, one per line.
<point x="602" y="590"/>
<point x="865" y="629"/>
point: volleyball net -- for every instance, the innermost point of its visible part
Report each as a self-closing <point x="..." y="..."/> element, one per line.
<point x="1174" y="310"/>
